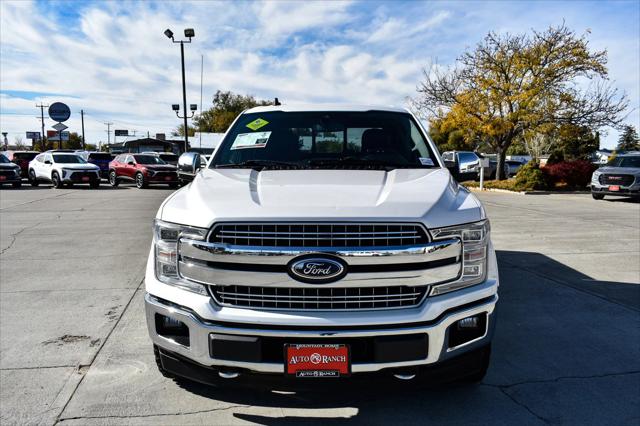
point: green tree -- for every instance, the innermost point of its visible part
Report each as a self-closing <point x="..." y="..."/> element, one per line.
<point x="179" y="131"/>
<point x="226" y="107"/>
<point x="511" y="84"/>
<point x="628" y="140"/>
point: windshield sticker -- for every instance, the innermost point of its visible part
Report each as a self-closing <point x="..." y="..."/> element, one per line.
<point x="257" y="123"/>
<point x="426" y="161"/>
<point x="251" y="140"/>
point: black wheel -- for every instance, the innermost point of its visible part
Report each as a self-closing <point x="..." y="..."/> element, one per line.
<point x="113" y="179"/>
<point x="32" y="178"/>
<point x="165" y="373"/>
<point x="480" y="370"/>
<point x="17" y="184"/>
<point x="55" y="179"/>
<point x="597" y="196"/>
<point x="140" y="182"/>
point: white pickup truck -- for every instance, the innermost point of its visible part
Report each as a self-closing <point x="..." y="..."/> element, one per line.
<point x="322" y="241"/>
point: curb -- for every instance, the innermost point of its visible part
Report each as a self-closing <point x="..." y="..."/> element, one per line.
<point x="506" y="191"/>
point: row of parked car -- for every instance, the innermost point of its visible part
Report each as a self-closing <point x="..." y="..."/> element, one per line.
<point x="67" y="167"/>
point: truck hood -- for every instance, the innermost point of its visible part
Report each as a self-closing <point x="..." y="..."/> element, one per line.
<point x="429" y="196"/>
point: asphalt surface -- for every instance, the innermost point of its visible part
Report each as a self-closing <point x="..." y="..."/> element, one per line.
<point x="74" y="348"/>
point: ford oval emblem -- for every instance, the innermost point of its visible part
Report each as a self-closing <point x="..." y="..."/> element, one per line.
<point x="317" y="269"/>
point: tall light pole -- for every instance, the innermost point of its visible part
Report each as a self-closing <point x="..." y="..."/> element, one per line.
<point x="189" y="33"/>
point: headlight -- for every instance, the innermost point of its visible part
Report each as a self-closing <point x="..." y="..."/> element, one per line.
<point x="475" y="246"/>
<point x="65" y="172"/>
<point x="165" y="243"/>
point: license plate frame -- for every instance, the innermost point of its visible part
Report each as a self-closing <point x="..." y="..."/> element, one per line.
<point x="614" y="188"/>
<point x="86" y="178"/>
<point x="311" y="364"/>
<point x="167" y="178"/>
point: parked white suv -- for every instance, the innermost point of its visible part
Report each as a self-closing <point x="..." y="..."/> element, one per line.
<point x="322" y="242"/>
<point x="62" y="168"/>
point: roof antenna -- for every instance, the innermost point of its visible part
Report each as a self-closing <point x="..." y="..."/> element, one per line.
<point x="277" y="102"/>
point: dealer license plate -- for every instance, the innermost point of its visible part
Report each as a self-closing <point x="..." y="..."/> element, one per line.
<point x="85" y="178"/>
<point x="317" y="360"/>
<point x="167" y="178"/>
<point x="614" y="187"/>
<point x="3" y="178"/>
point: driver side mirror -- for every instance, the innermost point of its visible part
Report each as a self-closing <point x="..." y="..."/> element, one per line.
<point x="131" y="163"/>
<point x="47" y="162"/>
<point x="189" y="164"/>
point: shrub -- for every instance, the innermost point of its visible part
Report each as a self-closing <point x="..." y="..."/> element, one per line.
<point x="574" y="174"/>
<point x="530" y="177"/>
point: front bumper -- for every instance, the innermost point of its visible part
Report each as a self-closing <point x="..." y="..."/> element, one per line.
<point x="10" y="178"/>
<point x="624" y="191"/>
<point x="199" y="348"/>
<point x="78" y="176"/>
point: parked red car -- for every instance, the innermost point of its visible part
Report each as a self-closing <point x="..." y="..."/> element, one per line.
<point x="22" y="158"/>
<point x="143" y="169"/>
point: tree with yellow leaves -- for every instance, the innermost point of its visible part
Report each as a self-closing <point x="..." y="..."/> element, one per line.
<point x="510" y="85"/>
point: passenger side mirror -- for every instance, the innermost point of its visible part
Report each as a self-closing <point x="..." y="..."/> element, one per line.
<point x="189" y="165"/>
<point x="131" y="163"/>
<point x="47" y="162"/>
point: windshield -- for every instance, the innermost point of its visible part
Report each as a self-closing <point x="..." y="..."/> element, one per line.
<point x="148" y="159"/>
<point x="68" y="159"/>
<point x="468" y="157"/>
<point x="169" y="157"/>
<point x="625" y="162"/>
<point x="352" y="140"/>
<point x="4" y="159"/>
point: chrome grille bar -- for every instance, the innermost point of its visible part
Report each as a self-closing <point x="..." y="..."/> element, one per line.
<point x="319" y="234"/>
<point x="315" y="298"/>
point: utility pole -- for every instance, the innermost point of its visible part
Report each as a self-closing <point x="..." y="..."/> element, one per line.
<point x="109" y="134"/>
<point x="42" y="107"/>
<point x="84" y="146"/>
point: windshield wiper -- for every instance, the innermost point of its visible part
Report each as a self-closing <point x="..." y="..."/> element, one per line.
<point x="259" y="164"/>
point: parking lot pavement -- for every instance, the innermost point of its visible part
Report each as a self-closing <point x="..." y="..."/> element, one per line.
<point x="74" y="347"/>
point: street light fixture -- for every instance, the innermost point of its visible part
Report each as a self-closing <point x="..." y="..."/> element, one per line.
<point x="189" y="33"/>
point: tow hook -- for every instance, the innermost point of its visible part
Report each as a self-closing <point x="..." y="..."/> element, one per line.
<point x="228" y="374"/>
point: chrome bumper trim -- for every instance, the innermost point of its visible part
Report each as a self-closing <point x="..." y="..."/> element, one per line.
<point x="199" y="337"/>
<point x="218" y="252"/>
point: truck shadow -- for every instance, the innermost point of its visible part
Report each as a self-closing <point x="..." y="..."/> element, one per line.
<point x="554" y="322"/>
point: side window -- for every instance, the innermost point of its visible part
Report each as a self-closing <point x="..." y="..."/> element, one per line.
<point x="48" y="157"/>
<point x="127" y="159"/>
<point x="39" y="158"/>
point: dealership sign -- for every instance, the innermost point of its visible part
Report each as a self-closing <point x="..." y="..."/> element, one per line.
<point x="33" y="135"/>
<point x="59" y="112"/>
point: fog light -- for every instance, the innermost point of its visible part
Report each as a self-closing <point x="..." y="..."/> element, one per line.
<point x="470" y="322"/>
<point x="467" y="329"/>
<point x="172" y="329"/>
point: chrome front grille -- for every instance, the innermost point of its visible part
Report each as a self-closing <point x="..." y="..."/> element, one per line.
<point x="318" y="298"/>
<point x="319" y="234"/>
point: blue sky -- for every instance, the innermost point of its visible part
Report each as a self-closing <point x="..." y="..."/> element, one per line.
<point x="112" y="60"/>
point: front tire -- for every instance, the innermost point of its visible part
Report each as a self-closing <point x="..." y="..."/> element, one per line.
<point x="55" y="179"/>
<point x="597" y="196"/>
<point x="32" y="178"/>
<point x="140" y="182"/>
<point x="113" y="179"/>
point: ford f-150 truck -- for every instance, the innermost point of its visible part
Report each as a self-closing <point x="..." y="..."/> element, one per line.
<point x="322" y="242"/>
